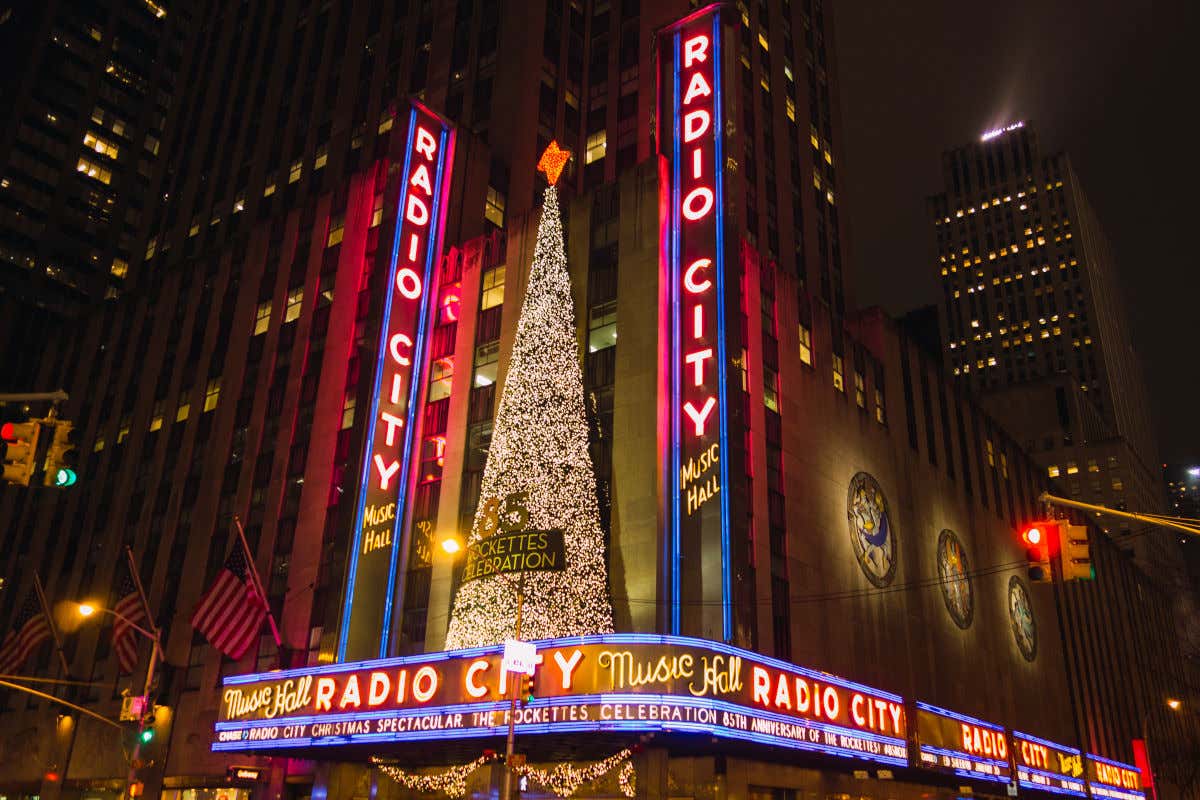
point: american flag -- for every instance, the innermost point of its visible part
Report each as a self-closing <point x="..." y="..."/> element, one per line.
<point x="232" y="611"/>
<point x="30" y="628"/>
<point x="129" y="612"/>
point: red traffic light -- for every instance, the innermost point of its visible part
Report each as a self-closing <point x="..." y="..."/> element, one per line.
<point x="1032" y="536"/>
<point x="8" y="432"/>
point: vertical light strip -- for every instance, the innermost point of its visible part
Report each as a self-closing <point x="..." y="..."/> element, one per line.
<point x="676" y="378"/>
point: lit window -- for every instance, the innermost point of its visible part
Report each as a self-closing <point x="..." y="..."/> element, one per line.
<point x="440" y="375"/>
<point x="322" y="158"/>
<point x="487" y="357"/>
<point x="493" y="288"/>
<point x="102" y="146"/>
<point x="1052" y="471"/>
<point x="860" y="390"/>
<point x="597" y="145"/>
<point x="991" y="454"/>
<point x="791" y="108"/>
<point x="212" y="393"/>
<point x="348" y="411"/>
<point x="119" y="268"/>
<point x="98" y="445"/>
<point x="1118" y="485"/>
<point x="337" y="227"/>
<point x="151" y="144"/>
<point x="156" y="417"/>
<point x="806" y="353"/>
<point x="185" y="406"/>
<point x="880" y="411"/>
<point x="1004" y="465"/>
<point x="295" y="299"/>
<point x="433" y="459"/>
<point x="762" y="41"/>
<point x="602" y="326"/>
<point x="377" y="211"/>
<point x="269" y="189"/>
<point x="296" y="170"/>
<point x="1093" y="466"/>
<point x="385" y="122"/>
<point x="239" y="203"/>
<point x="770" y="389"/>
<point x="262" y="318"/>
<point x="1072" y="468"/>
<point x="839" y="381"/>
<point x="493" y="209"/>
<point x="94" y="171"/>
<point x="123" y="430"/>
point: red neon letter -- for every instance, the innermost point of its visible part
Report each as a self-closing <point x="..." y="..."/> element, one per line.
<point x="325" y="689"/>
<point x="420" y="177"/>
<point x="698" y="321"/>
<point x="417" y="213"/>
<point x="408" y="283"/>
<point x="698" y="87"/>
<point x="690" y="208"/>
<point x="762" y="685"/>
<point x="696" y="359"/>
<point x="426" y="145"/>
<point x="394" y="348"/>
<point x="424" y="683"/>
<point x="695" y="49"/>
<point x="393" y="422"/>
<point x="379" y="688"/>
<point x="350" y="695"/>
<point x="689" y="282"/>
<point x="856" y="711"/>
<point x="698" y="417"/>
<point x="695" y="123"/>
<point x="386" y="472"/>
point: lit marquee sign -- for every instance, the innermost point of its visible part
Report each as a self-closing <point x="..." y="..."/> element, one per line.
<point x="961" y="745"/>
<point x="1112" y="779"/>
<point x="697" y="465"/>
<point x="387" y="455"/>
<point x="1048" y="766"/>
<point x="617" y="682"/>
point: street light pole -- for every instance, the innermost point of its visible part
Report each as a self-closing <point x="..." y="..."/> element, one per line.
<point x="512" y="700"/>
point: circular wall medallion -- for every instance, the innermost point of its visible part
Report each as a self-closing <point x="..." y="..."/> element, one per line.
<point x="1020" y="614"/>
<point x="871" y="529"/>
<point x="954" y="578"/>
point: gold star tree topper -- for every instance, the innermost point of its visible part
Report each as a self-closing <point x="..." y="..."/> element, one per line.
<point x="552" y="162"/>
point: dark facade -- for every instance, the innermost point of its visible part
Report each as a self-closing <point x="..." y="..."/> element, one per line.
<point x="231" y="382"/>
<point x="89" y="97"/>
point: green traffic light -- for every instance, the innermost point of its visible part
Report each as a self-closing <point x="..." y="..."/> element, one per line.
<point x="65" y="477"/>
<point x="146" y="735"/>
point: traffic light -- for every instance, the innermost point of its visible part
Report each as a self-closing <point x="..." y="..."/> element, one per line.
<point x="527" y="695"/>
<point x="1077" y="555"/>
<point x="20" y="451"/>
<point x="58" y="470"/>
<point x="1038" y="538"/>
<point x="146" y="735"/>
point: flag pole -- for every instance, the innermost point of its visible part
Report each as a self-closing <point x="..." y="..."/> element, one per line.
<point x="156" y="642"/>
<point x="41" y="593"/>
<point x="258" y="584"/>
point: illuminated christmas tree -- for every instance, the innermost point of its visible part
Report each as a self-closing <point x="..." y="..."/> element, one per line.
<point x="539" y="474"/>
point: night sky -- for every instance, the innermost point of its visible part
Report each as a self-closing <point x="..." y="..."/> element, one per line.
<point x="1112" y="83"/>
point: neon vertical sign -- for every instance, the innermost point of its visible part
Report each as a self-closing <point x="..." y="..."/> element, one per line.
<point x="697" y="462"/>
<point x="387" y="454"/>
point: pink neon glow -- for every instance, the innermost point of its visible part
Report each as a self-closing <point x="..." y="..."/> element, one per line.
<point x="695" y="212"/>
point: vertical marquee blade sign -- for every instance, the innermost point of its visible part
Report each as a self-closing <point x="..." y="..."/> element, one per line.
<point x="387" y="452"/>
<point x="691" y="131"/>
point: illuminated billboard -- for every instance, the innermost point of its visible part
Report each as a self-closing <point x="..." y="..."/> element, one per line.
<point x="616" y="682"/>
<point x="964" y="746"/>
<point x="387" y="462"/>
<point x="1048" y="766"/>
<point x="1113" y="780"/>
<point x="696" y="463"/>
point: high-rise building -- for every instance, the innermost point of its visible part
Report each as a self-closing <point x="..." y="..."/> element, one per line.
<point x="780" y="480"/>
<point x="88" y="94"/>
<point x="1033" y="319"/>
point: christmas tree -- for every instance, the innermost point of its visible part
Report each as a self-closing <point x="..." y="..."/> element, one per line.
<point x="539" y="473"/>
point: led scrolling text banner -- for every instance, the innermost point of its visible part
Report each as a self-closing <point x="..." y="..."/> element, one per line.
<point x="387" y="455"/>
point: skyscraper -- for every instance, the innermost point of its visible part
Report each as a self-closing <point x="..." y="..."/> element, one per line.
<point x="88" y="93"/>
<point x="1032" y="317"/>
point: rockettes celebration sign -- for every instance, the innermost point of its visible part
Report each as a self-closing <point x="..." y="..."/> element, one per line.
<point x="537" y="529"/>
<point x="618" y="682"/>
<point x="968" y="747"/>
<point x="387" y="455"/>
<point x="691" y="137"/>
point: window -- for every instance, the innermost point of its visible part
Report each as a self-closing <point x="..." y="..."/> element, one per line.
<point x="493" y="288"/>
<point x="262" y="318"/>
<point x="1004" y="465"/>
<point x="1052" y="471"/>
<point x="1117" y="484"/>
<point x="348" y="411"/>
<point x="156" y="416"/>
<point x="597" y="145"/>
<point x="151" y="144"/>
<point x="487" y="357"/>
<point x="98" y="445"/>
<point x="839" y="381"/>
<point x="493" y="209"/>
<point x="337" y="227"/>
<point x="321" y="159"/>
<point x="377" y="211"/>
<point x="880" y="410"/>
<point x="212" y="393"/>
<point x="1093" y="466"/>
<point x="771" y="389"/>
<point x="602" y="326"/>
<point x="94" y="171"/>
<point x="440" y="375"/>
<point x="123" y="430"/>
<point x="269" y="189"/>
<point x="1072" y="468"/>
<point x="295" y="299"/>
<point x="119" y="268"/>
<point x="101" y="146"/>
<point x="991" y="454"/>
<point x="806" y="353"/>
<point x="185" y="406"/>
<point x="296" y="170"/>
<point x="386" y="121"/>
<point x="860" y="390"/>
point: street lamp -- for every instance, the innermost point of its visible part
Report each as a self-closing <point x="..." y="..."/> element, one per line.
<point x="1174" y="704"/>
<point x="454" y="545"/>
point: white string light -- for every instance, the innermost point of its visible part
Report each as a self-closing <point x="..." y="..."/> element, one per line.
<point x="452" y="781"/>
<point x="565" y="779"/>
<point x="540" y="446"/>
